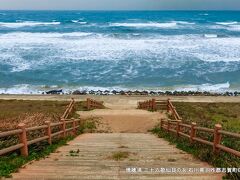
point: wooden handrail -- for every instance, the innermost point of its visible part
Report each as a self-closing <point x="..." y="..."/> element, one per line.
<point x="22" y="132"/>
<point x="172" y="109"/>
<point x="24" y="142"/>
<point x="93" y="104"/>
<point x="69" y="109"/>
<point x="217" y="133"/>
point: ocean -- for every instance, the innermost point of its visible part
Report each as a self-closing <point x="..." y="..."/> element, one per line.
<point x="127" y="50"/>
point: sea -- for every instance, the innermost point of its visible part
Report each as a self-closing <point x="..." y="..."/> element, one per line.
<point x="119" y="50"/>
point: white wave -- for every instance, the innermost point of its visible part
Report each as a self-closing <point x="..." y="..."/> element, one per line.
<point x="227" y="23"/>
<point x="21" y="35"/>
<point x="20" y="89"/>
<point x="163" y="51"/>
<point x="184" y="22"/>
<point x="39" y="89"/>
<point x="234" y="28"/>
<point x="206" y="87"/>
<point x="26" y="23"/>
<point x="146" y="25"/>
<point x="79" y="22"/>
<point x="210" y="35"/>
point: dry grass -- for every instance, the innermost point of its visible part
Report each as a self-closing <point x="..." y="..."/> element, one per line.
<point x="30" y="112"/>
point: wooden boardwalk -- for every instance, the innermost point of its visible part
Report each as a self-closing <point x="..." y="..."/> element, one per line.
<point x="89" y="156"/>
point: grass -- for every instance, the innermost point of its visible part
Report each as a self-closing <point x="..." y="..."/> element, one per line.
<point x="120" y="155"/>
<point x="11" y="163"/>
<point x="74" y="153"/>
<point x="32" y="112"/>
<point x="207" y="115"/>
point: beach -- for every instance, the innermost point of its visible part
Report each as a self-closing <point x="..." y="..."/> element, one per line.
<point x="123" y="100"/>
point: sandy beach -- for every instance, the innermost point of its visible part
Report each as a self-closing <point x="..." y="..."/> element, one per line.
<point x="124" y="102"/>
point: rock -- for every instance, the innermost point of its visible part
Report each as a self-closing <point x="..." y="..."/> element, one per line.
<point x="55" y="91"/>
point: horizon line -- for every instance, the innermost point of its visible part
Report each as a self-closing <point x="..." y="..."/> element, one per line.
<point x="119" y="10"/>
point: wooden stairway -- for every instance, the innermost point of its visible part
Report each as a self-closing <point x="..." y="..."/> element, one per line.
<point x="90" y="156"/>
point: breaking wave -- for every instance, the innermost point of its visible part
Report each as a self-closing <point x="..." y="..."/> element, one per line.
<point x="146" y="25"/>
<point x="26" y="24"/>
<point x="39" y="89"/>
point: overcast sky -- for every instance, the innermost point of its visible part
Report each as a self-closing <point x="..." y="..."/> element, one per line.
<point x="120" y="4"/>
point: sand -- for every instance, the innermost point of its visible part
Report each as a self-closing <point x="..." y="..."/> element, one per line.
<point x="124" y="121"/>
<point x="117" y="100"/>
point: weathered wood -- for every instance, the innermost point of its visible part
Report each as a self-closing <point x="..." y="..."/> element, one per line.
<point x="49" y="132"/>
<point x="217" y="138"/>
<point x="23" y="139"/>
<point x="193" y="132"/>
<point x="10" y="133"/>
<point x="10" y="149"/>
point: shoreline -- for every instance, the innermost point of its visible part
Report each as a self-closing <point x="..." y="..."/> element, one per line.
<point x="123" y="99"/>
<point x="131" y="93"/>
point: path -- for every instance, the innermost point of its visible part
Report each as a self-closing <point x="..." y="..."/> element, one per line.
<point x="91" y="156"/>
<point x="119" y="120"/>
<point x="92" y="159"/>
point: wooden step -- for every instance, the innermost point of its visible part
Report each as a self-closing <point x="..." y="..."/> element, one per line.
<point x="94" y="159"/>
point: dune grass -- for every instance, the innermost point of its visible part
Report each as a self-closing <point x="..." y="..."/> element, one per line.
<point x="32" y="112"/>
<point x="207" y="115"/>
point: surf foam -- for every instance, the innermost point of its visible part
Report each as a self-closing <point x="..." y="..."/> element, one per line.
<point x="26" y="23"/>
<point x="146" y="25"/>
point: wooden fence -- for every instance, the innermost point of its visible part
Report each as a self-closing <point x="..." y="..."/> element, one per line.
<point x="69" y="109"/>
<point x="190" y="131"/>
<point x="172" y="110"/>
<point x="22" y="132"/>
<point x="92" y="104"/>
<point x="65" y="126"/>
<point x="148" y="105"/>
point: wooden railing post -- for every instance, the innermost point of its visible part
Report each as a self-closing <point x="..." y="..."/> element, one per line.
<point x="154" y="108"/>
<point x="48" y="132"/>
<point x="23" y="139"/>
<point x="178" y="127"/>
<point x="193" y="132"/>
<point x="168" y="125"/>
<point x="161" y="123"/>
<point x="217" y="138"/>
<point x="88" y="103"/>
<point x="63" y="127"/>
<point x="74" y="126"/>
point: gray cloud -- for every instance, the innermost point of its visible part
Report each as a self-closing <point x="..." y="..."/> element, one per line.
<point x="121" y="4"/>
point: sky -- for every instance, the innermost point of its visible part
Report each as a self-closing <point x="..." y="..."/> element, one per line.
<point x="120" y="4"/>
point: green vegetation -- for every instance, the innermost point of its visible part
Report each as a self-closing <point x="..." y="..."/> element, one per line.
<point x="11" y="163"/>
<point x="207" y="115"/>
<point x="118" y="156"/>
<point x="74" y="153"/>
